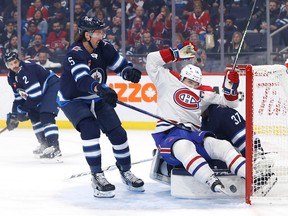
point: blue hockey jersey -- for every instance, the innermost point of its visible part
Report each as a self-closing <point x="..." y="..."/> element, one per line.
<point x="226" y="123"/>
<point x="32" y="78"/>
<point x="83" y="71"/>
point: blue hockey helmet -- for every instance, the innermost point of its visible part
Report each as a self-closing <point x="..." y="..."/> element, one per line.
<point x="90" y="24"/>
<point x="10" y="56"/>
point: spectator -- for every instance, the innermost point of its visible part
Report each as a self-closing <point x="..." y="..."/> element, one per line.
<point x="153" y="6"/>
<point x="28" y="37"/>
<point x="9" y="30"/>
<point x="97" y="6"/>
<point x="33" y="51"/>
<point x="78" y="12"/>
<point x="114" y="32"/>
<point x="190" y="7"/>
<point x="101" y="15"/>
<point x="234" y="46"/>
<point x="147" y="44"/>
<point x="281" y="21"/>
<point x="274" y="10"/>
<point x="229" y="29"/>
<point x="85" y="7"/>
<point x="37" y="6"/>
<point x="59" y="13"/>
<point x="158" y="27"/>
<point x="9" y="10"/>
<point x="56" y="40"/>
<point x="45" y="62"/>
<point x="139" y="12"/>
<point x="197" y="22"/>
<point x="42" y="24"/>
<point x="12" y="45"/>
<point x="23" y="22"/>
<point x="75" y="31"/>
<point x="201" y="56"/>
<point x="178" y="39"/>
<point x="211" y="43"/>
<point x="134" y="35"/>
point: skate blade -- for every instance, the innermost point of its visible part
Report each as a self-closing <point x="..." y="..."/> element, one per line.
<point x="103" y="194"/>
<point x="135" y="189"/>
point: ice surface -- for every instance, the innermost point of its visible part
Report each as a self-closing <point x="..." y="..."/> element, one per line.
<point x="28" y="187"/>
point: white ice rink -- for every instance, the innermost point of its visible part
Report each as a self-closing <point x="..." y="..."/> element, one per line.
<point x="28" y="187"/>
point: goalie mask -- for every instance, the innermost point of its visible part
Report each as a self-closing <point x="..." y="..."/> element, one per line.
<point x="191" y="72"/>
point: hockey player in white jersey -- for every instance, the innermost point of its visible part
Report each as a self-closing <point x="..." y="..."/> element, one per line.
<point x="182" y="100"/>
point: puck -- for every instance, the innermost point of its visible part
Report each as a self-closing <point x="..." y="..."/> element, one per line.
<point x="233" y="188"/>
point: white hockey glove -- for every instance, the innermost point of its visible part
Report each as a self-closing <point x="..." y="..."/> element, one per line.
<point x="23" y="93"/>
<point x="185" y="50"/>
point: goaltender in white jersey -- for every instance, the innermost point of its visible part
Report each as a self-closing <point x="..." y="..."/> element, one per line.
<point x="182" y="100"/>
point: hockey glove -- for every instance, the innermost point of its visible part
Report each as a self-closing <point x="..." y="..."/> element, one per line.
<point x="230" y="85"/>
<point x="108" y="94"/>
<point x="131" y="74"/>
<point x="183" y="51"/>
<point x="22" y="113"/>
<point x="12" y="121"/>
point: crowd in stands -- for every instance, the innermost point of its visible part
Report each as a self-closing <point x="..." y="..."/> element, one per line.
<point x="45" y="26"/>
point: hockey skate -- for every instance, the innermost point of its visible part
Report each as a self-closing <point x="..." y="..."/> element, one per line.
<point x="215" y="184"/>
<point x="131" y="181"/>
<point x="102" y="188"/>
<point x="39" y="149"/>
<point x="51" y="154"/>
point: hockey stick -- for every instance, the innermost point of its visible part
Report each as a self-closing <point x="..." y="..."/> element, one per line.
<point x="108" y="168"/>
<point x="153" y="115"/>
<point x="3" y="130"/>
<point x="243" y="37"/>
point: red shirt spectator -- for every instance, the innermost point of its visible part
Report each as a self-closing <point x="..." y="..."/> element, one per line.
<point x="56" y="38"/>
<point x="37" y="6"/>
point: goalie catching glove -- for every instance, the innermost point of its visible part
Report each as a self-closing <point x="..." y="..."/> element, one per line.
<point x="107" y="93"/>
<point x="230" y="85"/>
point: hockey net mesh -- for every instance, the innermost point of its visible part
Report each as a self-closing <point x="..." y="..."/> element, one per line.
<point x="270" y="125"/>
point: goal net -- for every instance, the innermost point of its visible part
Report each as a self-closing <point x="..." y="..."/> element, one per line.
<point x="266" y="132"/>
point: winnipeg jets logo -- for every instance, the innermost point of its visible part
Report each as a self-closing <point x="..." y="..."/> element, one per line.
<point x="94" y="55"/>
<point x="97" y="74"/>
<point x="186" y="99"/>
<point x="76" y="48"/>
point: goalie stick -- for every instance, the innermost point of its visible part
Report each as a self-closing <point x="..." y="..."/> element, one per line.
<point x="108" y="168"/>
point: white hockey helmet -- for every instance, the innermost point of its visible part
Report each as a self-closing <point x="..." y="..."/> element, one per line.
<point x="191" y="72"/>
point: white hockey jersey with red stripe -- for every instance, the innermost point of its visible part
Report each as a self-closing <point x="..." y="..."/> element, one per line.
<point x="176" y="101"/>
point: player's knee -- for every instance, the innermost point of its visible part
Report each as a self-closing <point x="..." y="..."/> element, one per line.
<point x="183" y="149"/>
<point x="47" y="118"/>
<point x="117" y="135"/>
<point x="216" y="148"/>
<point x="89" y="129"/>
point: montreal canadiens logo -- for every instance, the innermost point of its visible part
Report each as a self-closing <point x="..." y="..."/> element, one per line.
<point x="187" y="99"/>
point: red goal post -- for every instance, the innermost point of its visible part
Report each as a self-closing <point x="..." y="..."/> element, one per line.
<point x="266" y="94"/>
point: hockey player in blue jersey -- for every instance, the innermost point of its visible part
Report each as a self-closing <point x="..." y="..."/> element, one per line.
<point x="35" y="90"/>
<point x="89" y="103"/>
<point x="228" y="124"/>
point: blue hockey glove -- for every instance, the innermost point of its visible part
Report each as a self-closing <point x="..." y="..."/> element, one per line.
<point x="183" y="51"/>
<point x="22" y="113"/>
<point x="131" y="74"/>
<point x="12" y="121"/>
<point x="108" y="94"/>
